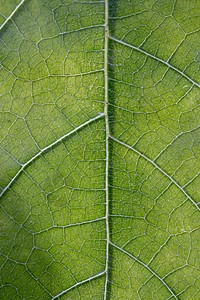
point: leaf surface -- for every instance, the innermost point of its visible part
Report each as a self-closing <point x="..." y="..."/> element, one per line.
<point x="99" y="150"/>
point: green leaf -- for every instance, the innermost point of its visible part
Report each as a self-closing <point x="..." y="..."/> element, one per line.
<point x="100" y="149"/>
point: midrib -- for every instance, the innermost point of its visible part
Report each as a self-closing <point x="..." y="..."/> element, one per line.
<point x="107" y="144"/>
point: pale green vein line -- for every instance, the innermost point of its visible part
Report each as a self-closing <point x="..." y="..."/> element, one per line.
<point x="68" y="75"/>
<point x="197" y="175"/>
<point x="49" y="147"/>
<point x="127" y="16"/>
<point x="156" y="58"/>
<point x="161" y="247"/>
<point x="157" y="167"/>
<point x="75" y="30"/>
<point x="58" y="75"/>
<point x="124" y="216"/>
<point x="11" y="15"/>
<point x="147" y="267"/>
<point x="37" y="281"/>
<point x="70" y="225"/>
<point x="14" y="221"/>
<point x="178" y="269"/>
<point x="107" y="144"/>
<point x="79" y="283"/>
<point x="174" y="140"/>
<point x="167" y="240"/>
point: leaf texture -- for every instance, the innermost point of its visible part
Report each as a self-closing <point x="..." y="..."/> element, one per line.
<point x="100" y="149"/>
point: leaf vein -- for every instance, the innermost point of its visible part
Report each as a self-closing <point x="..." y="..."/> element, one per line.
<point x="48" y="147"/>
<point x="147" y="267"/>
<point x="12" y="14"/>
<point x="107" y="144"/>
<point x="70" y="225"/>
<point x="155" y="165"/>
<point x="79" y="283"/>
<point x="156" y="58"/>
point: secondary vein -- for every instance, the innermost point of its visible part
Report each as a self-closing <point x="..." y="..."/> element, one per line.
<point x="157" y="167"/>
<point x="11" y="15"/>
<point x="78" y="284"/>
<point x="147" y="267"/>
<point x="48" y="147"/>
<point x="156" y="58"/>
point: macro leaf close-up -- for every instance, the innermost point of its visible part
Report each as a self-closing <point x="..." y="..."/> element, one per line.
<point x="100" y="149"/>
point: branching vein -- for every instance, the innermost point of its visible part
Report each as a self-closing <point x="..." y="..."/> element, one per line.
<point x="12" y="14"/>
<point x="49" y="147"/>
<point x="156" y="58"/>
<point x="77" y="284"/>
<point x="147" y="267"/>
<point x="70" y="225"/>
<point x="153" y="163"/>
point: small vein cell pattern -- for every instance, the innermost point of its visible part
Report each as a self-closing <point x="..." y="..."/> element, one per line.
<point x="99" y="149"/>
